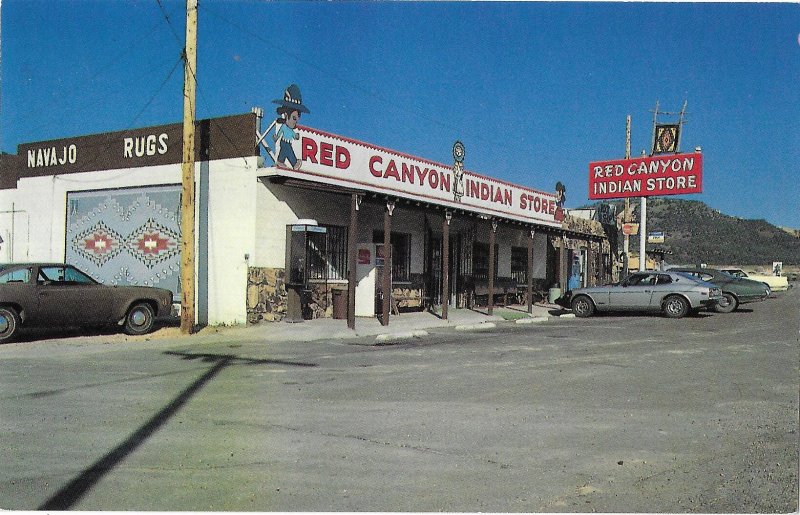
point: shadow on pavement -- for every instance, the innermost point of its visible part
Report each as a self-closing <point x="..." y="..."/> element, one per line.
<point x="73" y="491"/>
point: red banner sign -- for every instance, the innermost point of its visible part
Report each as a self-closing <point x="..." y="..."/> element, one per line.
<point x="674" y="174"/>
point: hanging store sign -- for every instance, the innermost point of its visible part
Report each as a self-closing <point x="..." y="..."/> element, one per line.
<point x="656" y="237"/>
<point x="666" y="140"/>
<point x="335" y="160"/>
<point x="675" y="174"/>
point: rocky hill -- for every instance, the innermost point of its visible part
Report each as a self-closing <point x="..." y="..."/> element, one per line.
<point x="696" y="233"/>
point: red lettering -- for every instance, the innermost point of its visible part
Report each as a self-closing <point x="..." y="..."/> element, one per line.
<point x="309" y="150"/>
<point x="326" y="154"/>
<point x="421" y="174"/>
<point x="444" y="182"/>
<point x="391" y="170"/>
<point x="433" y="179"/>
<point x="523" y="201"/>
<point x="372" y="169"/>
<point x="408" y="173"/>
<point x="498" y="196"/>
<point x="485" y="191"/>
<point x="507" y="198"/>
<point x="474" y="189"/>
<point x="342" y="158"/>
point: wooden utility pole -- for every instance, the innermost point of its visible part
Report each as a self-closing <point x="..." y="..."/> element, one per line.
<point x="187" y="191"/>
<point x="680" y="127"/>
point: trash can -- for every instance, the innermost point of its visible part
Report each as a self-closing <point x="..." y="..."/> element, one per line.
<point x="553" y="295"/>
<point x="339" y="303"/>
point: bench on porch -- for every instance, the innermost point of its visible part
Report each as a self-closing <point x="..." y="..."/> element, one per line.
<point x="504" y="287"/>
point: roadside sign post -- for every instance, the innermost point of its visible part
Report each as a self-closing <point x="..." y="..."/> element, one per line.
<point x="665" y="172"/>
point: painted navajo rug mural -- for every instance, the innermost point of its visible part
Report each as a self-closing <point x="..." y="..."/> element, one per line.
<point x="126" y="236"/>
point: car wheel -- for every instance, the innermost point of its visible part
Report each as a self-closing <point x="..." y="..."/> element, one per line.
<point x="676" y="307"/>
<point x="9" y="324"/>
<point x="140" y="319"/>
<point x="726" y="304"/>
<point x="582" y="306"/>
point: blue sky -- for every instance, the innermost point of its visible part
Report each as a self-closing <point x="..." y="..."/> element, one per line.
<point x="535" y="91"/>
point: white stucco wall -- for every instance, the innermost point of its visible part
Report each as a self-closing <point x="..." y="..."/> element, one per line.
<point x="279" y="206"/>
<point x="226" y="238"/>
<point x="225" y="224"/>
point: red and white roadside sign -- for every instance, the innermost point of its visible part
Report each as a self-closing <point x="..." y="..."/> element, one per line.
<point x="674" y="174"/>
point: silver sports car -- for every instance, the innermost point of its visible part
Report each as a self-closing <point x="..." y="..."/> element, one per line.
<point x="673" y="293"/>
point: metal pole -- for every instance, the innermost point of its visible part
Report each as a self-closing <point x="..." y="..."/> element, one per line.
<point x="643" y="207"/>
<point x="626" y="218"/>
<point x="187" y="172"/>
<point x="643" y="235"/>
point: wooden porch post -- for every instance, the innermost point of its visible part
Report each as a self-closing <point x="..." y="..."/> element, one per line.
<point x="387" y="262"/>
<point x="562" y="266"/>
<point x="530" y="272"/>
<point x="352" y="252"/>
<point x="446" y="263"/>
<point x="491" y="266"/>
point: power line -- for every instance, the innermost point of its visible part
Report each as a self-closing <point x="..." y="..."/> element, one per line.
<point x="110" y="63"/>
<point x="166" y="17"/>
<point x="486" y="144"/>
<point x="153" y="96"/>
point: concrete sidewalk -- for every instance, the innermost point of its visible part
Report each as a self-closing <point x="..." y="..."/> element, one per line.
<point x="404" y="326"/>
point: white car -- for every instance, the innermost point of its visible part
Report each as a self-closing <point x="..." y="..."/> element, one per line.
<point x="673" y="293"/>
<point x="775" y="282"/>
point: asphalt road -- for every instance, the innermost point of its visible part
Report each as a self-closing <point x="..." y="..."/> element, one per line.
<point x="610" y="414"/>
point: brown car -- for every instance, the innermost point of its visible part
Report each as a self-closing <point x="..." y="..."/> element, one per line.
<point x="59" y="295"/>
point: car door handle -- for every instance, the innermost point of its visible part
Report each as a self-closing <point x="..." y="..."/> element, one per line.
<point x="648" y="291"/>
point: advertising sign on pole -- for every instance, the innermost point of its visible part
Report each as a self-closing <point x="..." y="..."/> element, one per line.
<point x="655" y="237"/>
<point x="674" y="174"/>
<point x="630" y="229"/>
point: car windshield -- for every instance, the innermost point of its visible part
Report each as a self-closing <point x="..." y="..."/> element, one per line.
<point x="688" y="276"/>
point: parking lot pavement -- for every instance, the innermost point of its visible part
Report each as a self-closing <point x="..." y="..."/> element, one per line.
<point x="612" y="413"/>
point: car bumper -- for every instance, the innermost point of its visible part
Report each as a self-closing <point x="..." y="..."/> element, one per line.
<point x="709" y="303"/>
<point x="752" y="298"/>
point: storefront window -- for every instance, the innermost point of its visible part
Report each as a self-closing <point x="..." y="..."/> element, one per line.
<point x="480" y="260"/>
<point x="337" y="252"/>
<point x="320" y="255"/>
<point x="519" y="264"/>
<point x="401" y="254"/>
